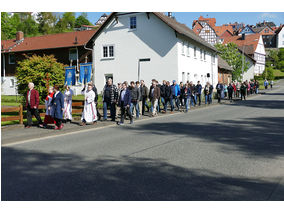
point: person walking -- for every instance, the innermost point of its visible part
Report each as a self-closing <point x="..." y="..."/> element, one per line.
<point x="198" y="92"/>
<point x="271" y="84"/>
<point x="57" y="107"/>
<point x="265" y="84"/>
<point x="168" y="96"/>
<point x="124" y="102"/>
<point x="206" y="92"/>
<point x="162" y="90"/>
<point x="48" y="119"/>
<point x="89" y="114"/>
<point x="176" y="93"/>
<point x="238" y="89"/>
<point x="219" y="88"/>
<point x="32" y="102"/>
<point x="181" y="97"/>
<point x="187" y="97"/>
<point x="154" y="97"/>
<point x="225" y="90"/>
<point x="210" y="93"/>
<point x="230" y="92"/>
<point x="256" y="87"/>
<point x="192" y="94"/>
<point x="243" y="91"/>
<point x="135" y="96"/>
<point x="68" y="93"/>
<point x="140" y="98"/>
<point x="144" y="93"/>
<point x="110" y="96"/>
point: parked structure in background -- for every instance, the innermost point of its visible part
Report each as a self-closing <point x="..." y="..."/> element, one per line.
<point x="224" y="71"/>
<point x="135" y="46"/>
<point x="253" y="46"/>
<point x="68" y="48"/>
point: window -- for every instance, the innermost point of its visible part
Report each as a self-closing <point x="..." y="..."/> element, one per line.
<point x="73" y="54"/>
<point x="108" y="51"/>
<point x="187" y="52"/>
<point x="200" y="54"/>
<point x="133" y="22"/>
<point x="12" y="82"/>
<point x="195" y="52"/>
<point x="207" y="31"/>
<point x="11" y="58"/>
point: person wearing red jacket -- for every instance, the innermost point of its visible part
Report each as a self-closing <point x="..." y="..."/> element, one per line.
<point x="32" y="102"/>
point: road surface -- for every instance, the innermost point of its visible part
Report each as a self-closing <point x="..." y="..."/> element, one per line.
<point x="224" y="152"/>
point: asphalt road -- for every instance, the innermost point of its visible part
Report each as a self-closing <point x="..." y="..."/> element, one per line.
<point x="224" y="152"/>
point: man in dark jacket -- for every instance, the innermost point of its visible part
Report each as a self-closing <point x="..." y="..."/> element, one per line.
<point x="230" y="92"/>
<point x="182" y="93"/>
<point x="154" y="96"/>
<point x="162" y="91"/>
<point x="168" y="97"/>
<point x="124" y="102"/>
<point x="198" y="89"/>
<point x="144" y="93"/>
<point x="110" y="97"/>
<point x="135" y="96"/>
<point x="32" y="102"/>
<point x="219" y="88"/>
<point x="57" y="105"/>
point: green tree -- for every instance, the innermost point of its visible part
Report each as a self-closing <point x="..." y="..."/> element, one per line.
<point x="28" y="25"/>
<point x="82" y="20"/>
<point x="66" y="23"/>
<point x="268" y="73"/>
<point x="9" y="25"/>
<point x="280" y="64"/>
<point x="47" y="22"/>
<point x="35" y="69"/>
<point x="231" y="54"/>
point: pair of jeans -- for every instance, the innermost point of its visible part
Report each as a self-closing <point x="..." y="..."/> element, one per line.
<point x="186" y="101"/>
<point x="154" y="103"/>
<point x="30" y="113"/>
<point x="125" y="110"/>
<point x="198" y="96"/>
<point x="168" y="100"/>
<point x="163" y="102"/>
<point x="136" y="105"/>
<point x="206" y="99"/>
<point x="192" y="100"/>
<point x="112" y="110"/>
<point x="176" y="99"/>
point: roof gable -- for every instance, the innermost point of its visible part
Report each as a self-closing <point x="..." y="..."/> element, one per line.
<point x="179" y="28"/>
<point x="247" y="30"/>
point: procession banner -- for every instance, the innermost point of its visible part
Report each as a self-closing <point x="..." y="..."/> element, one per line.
<point x="85" y="72"/>
<point x="70" y="76"/>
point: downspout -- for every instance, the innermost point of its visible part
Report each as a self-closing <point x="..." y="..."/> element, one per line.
<point x="4" y="70"/>
<point x="93" y="60"/>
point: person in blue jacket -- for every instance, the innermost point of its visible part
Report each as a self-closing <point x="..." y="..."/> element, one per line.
<point x="57" y="105"/>
<point x="176" y="93"/>
<point x="124" y="102"/>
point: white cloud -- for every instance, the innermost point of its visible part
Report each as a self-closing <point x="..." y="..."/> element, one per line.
<point x="268" y="16"/>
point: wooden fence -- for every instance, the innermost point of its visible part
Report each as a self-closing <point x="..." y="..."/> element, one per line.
<point x="77" y="108"/>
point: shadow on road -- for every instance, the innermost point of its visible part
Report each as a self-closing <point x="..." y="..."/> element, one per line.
<point x="265" y="104"/>
<point x="27" y="175"/>
<point x="256" y="137"/>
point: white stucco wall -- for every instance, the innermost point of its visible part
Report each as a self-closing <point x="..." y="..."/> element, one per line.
<point x="8" y="85"/>
<point x="259" y="56"/>
<point x="152" y="39"/>
<point x="194" y="68"/>
<point x="280" y="38"/>
<point x="249" y="74"/>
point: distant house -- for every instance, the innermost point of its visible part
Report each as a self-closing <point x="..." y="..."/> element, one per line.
<point x="253" y="46"/>
<point x="86" y="27"/>
<point x="66" y="47"/>
<point x="268" y="36"/>
<point x="247" y="30"/>
<point x="280" y="37"/>
<point x="101" y="20"/>
<point x="224" y="71"/>
<point x="146" y="45"/>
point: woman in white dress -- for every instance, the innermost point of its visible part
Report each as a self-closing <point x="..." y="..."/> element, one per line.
<point x="68" y="104"/>
<point x="89" y="114"/>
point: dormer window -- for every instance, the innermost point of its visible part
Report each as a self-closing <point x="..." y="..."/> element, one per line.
<point x="133" y="23"/>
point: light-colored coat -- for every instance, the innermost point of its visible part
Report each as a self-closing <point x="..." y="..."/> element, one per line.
<point x="90" y="113"/>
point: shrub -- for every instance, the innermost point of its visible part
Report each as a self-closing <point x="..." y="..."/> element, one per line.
<point x="35" y="69"/>
<point x="268" y="73"/>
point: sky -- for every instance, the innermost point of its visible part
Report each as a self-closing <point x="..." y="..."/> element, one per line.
<point x="221" y="17"/>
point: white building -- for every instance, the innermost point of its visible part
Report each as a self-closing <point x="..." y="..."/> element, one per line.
<point x="136" y="46"/>
<point x="280" y="37"/>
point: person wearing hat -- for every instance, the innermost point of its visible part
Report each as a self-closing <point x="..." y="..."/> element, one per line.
<point x="89" y="114"/>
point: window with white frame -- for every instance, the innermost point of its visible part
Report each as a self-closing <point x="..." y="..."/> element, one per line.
<point x="108" y="51"/>
<point x="12" y="58"/>
<point x="194" y="52"/>
<point x="133" y="23"/>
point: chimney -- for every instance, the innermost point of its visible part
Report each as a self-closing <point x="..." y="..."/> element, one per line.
<point x="170" y="14"/>
<point x="243" y="36"/>
<point x="19" y="36"/>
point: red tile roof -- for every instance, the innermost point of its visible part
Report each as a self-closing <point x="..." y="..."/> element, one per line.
<point x="250" y="42"/>
<point x="210" y="21"/>
<point x="221" y="29"/>
<point x="51" y="41"/>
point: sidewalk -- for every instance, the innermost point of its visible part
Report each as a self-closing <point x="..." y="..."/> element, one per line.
<point x="17" y="133"/>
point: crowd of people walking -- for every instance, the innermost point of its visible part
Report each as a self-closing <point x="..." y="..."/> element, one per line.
<point x="132" y="100"/>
